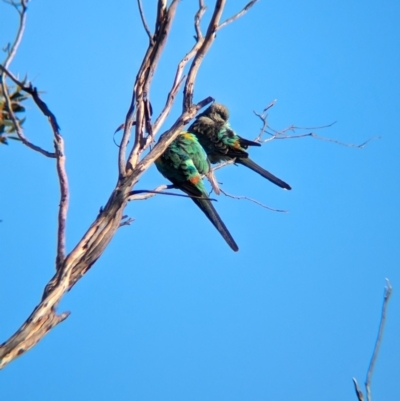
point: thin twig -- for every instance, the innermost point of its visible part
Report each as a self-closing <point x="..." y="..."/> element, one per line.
<point x="147" y="194"/>
<point x="145" y="26"/>
<point x="386" y="298"/>
<point x="197" y="20"/>
<point x="294" y="127"/>
<point x="179" y="71"/>
<point x="126" y="221"/>
<point x="4" y="72"/>
<point x="11" y="76"/>
<point x="239" y="197"/>
<point x="64" y="199"/>
<point x="136" y="195"/>
<point x="272" y="104"/>
<point x="18" y="128"/>
<point x="32" y="91"/>
<point x="359" y="393"/>
<point x="60" y="161"/>
<point x="282" y="134"/>
<point x="321" y="138"/>
<point x="21" y="28"/>
<point x="144" y="78"/>
<point x="291" y="128"/>
<point x="263" y="118"/>
<point x="223" y="164"/>
<point x="165" y="17"/>
<point x="275" y="133"/>
<point x="61" y="172"/>
<point x="170" y="99"/>
<point x="141" y="87"/>
<point x="238" y="15"/>
<point x="125" y="137"/>
<point x="205" y="46"/>
<point x="122" y="126"/>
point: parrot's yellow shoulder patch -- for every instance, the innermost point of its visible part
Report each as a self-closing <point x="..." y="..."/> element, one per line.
<point x="187" y="135"/>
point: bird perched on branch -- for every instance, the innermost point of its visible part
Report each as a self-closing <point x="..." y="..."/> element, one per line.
<point x="222" y="143"/>
<point x="183" y="163"/>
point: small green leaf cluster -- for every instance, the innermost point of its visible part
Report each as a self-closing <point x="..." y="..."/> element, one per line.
<point x="7" y="128"/>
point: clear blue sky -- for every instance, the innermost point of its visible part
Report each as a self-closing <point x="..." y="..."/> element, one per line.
<point x="169" y="312"/>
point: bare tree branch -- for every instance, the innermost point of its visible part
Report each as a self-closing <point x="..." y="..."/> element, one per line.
<point x="72" y="267"/>
<point x="145" y="26"/>
<point x="386" y="298"/>
<point x="206" y="43"/>
<point x="179" y="71"/>
<point x="143" y="194"/>
<point x="240" y="197"/>
<point x="359" y="393"/>
<point x="64" y="199"/>
<point x="151" y="59"/>
<point x="238" y="15"/>
<point x="21" y="8"/>
<point x="197" y="20"/>
<point x="125" y="138"/>
<point x="321" y="138"/>
<point x="283" y="134"/>
<point x="263" y="117"/>
<point x="223" y="164"/>
<point x="58" y="140"/>
<point x="60" y="158"/>
<point x="146" y="194"/>
<point x="140" y="90"/>
<point x="126" y="221"/>
<point x="144" y="78"/>
<point x="17" y="126"/>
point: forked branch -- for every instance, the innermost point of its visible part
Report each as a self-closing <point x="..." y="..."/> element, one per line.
<point x="290" y="132"/>
<point x="59" y="155"/>
<point x="143" y="18"/>
<point x="238" y="15"/>
<point x="241" y="197"/>
<point x="71" y="267"/>
<point x="21" y="8"/>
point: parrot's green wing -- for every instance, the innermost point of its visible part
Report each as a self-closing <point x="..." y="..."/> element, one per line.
<point x="183" y="163"/>
<point x="222" y="143"/>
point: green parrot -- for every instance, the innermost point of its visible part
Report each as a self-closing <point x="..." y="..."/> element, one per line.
<point x="222" y="143"/>
<point x="183" y="163"/>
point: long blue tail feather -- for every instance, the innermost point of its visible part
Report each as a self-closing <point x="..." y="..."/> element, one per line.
<point x="264" y="173"/>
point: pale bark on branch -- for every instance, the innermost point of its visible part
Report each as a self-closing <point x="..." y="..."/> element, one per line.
<point x="378" y="342"/>
<point x="290" y="132"/>
<point x="132" y="161"/>
<point x="72" y="266"/>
